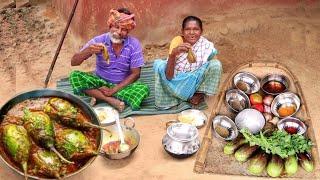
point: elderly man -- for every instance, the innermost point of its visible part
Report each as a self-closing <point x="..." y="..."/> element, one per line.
<point x="119" y="60"/>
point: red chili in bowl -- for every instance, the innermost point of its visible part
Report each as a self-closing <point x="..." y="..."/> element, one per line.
<point x="291" y="130"/>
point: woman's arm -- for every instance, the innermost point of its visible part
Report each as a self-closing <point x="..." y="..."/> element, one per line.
<point x="182" y="48"/>
<point x="170" y="66"/>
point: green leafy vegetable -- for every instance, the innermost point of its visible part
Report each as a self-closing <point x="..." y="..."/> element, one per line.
<point x="280" y="143"/>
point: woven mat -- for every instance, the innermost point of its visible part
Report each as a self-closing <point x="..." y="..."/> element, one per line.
<point x="147" y="106"/>
<point x="212" y="160"/>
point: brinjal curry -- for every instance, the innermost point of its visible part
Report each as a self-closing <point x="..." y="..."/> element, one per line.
<point x="47" y="137"/>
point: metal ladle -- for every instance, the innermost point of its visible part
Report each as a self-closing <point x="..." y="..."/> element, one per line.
<point x="124" y="147"/>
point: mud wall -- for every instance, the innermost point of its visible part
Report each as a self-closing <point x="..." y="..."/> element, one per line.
<point x="157" y="21"/>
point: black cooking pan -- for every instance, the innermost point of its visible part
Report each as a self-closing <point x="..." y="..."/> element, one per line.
<point x="52" y="93"/>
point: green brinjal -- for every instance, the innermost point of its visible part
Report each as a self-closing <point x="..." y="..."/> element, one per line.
<point x="258" y="163"/>
<point x="17" y="143"/>
<point x="306" y="162"/>
<point x="275" y="166"/>
<point x="46" y="163"/>
<point x="231" y="147"/>
<point x="291" y="165"/>
<point x="73" y="144"/>
<point x="244" y="152"/>
<point x="63" y="111"/>
<point x="40" y="128"/>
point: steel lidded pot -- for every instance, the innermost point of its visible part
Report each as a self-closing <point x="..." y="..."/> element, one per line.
<point x="42" y="93"/>
<point x="181" y="140"/>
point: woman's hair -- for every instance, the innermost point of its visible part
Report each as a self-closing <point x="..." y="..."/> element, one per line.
<point x="191" y="18"/>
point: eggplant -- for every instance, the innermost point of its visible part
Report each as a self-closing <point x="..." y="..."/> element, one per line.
<point x="40" y="127"/>
<point x="244" y="152"/>
<point x="73" y="144"/>
<point x="17" y="143"/>
<point x="306" y="162"/>
<point x="291" y="165"/>
<point x="67" y="114"/>
<point x="258" y="163"/>
<point x="231" y="147"/>
<point x="275" y="166"/>
<point x="46" y="163"/>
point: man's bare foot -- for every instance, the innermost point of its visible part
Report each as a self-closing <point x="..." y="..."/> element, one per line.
<point x="120" y="105"/>
<point x="97" y="94"/>
<point x="196" y="99"/>
<point x="93" y="101"/>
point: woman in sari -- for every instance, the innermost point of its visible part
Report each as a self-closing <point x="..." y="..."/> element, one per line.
<point x="190" y="72"/>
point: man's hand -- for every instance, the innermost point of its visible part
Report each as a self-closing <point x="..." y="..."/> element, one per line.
<point x="108" y="91"/>
<point x="78" y="58"/>
<point x="94" y="49"/>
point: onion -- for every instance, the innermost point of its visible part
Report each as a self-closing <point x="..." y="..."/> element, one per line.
<point x="267" y="116"/>
<point x="267" y="100"/>
<point x="274" y="120"/>
<point x="267" y="109"/>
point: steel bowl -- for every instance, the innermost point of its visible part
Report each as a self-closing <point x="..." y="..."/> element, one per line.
<point x="181" y="140"/>
<point x="107" y="115"/>
<point x="224" y="123"/>
<point x="292" y="125"/>
<point x="285" y="100"/>
<point x="131" y="136"/>
<point x="193" y="116"/>
<point x="41" y="93"/>
<point x="251" y="119"/>
<point x="281" y="81"/>
<point x="237" y="100"/>
<point x="246" y="82"/>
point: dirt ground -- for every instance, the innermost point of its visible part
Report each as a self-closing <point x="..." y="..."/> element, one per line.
<point x="30" y="36"/>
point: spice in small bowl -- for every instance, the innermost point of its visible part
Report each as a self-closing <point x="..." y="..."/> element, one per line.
<point x="222" y="131"/>
<point x="224" y="128"/>
<point x="292" y="125"/>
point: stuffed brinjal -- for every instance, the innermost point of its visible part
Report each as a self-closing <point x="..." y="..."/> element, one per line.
<point x="17" y="144"/>
<point x="46" y="163"/>
<point x="73" y="144"/>
<point x="40" y="128"/>
<point x="63" y="111"/>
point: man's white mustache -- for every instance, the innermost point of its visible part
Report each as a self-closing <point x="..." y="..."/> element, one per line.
<point x="116" y="36"/>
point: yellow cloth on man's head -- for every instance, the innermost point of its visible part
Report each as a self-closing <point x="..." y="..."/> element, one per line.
<point x="176" y="41"/>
